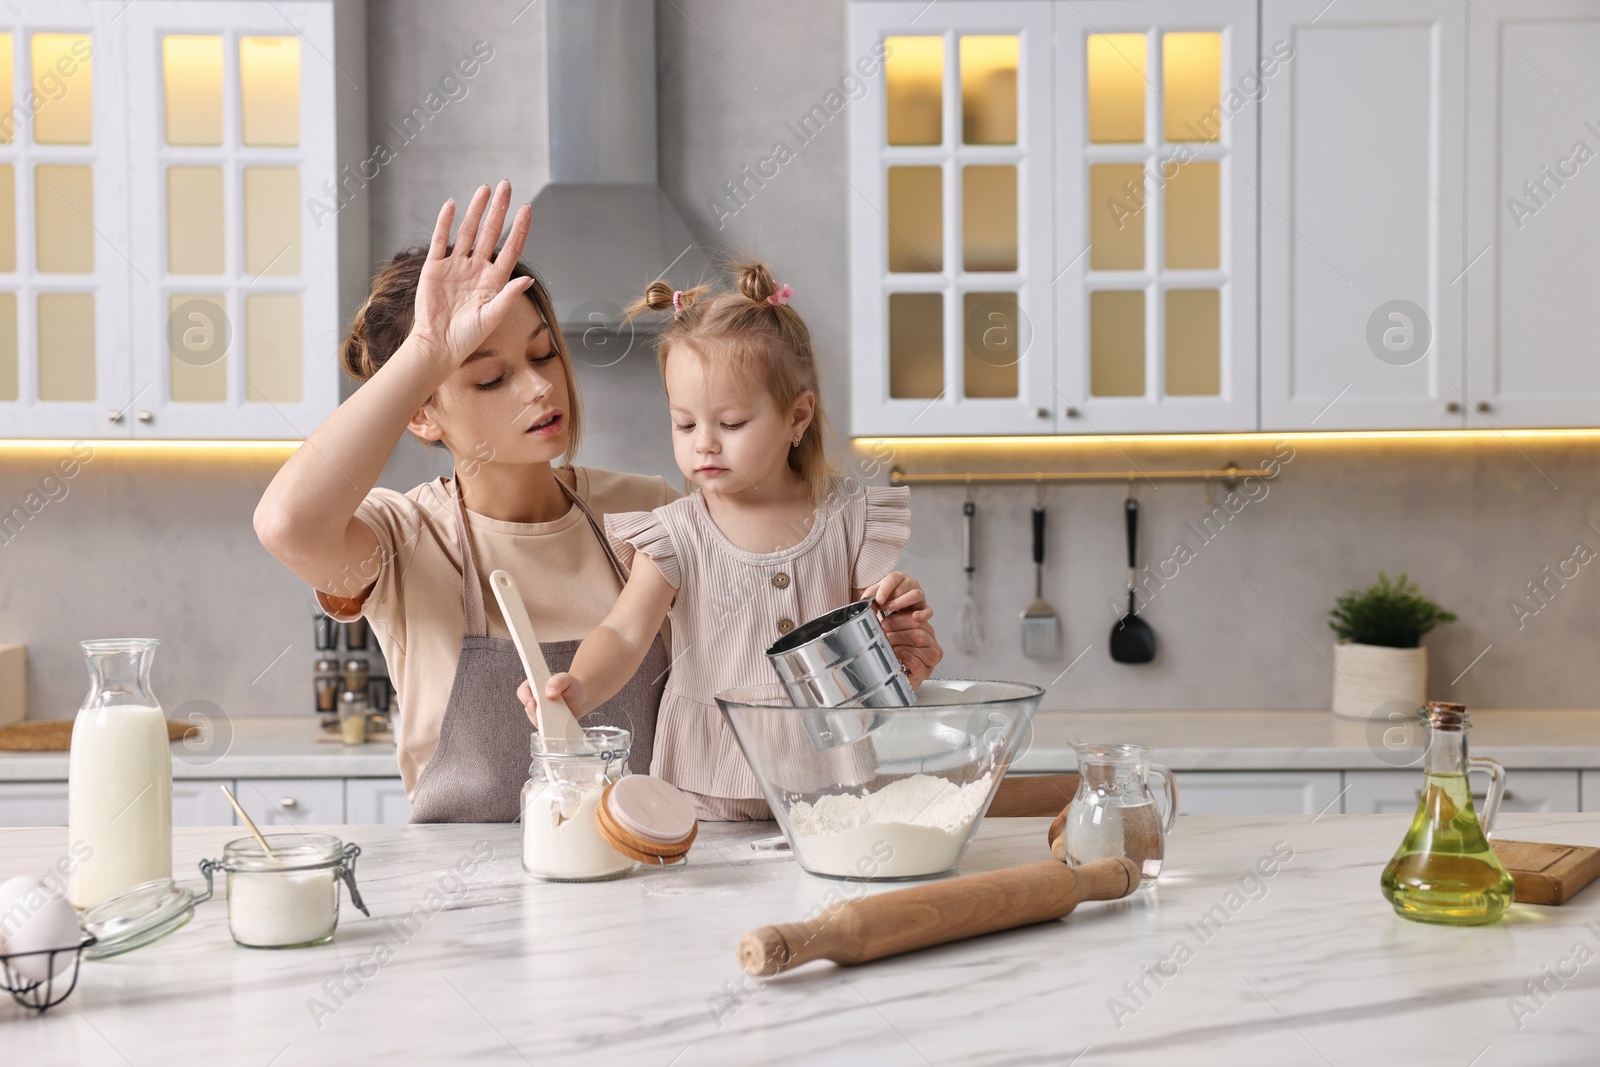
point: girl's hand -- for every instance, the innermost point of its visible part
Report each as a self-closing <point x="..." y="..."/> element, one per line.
<point x="561" y="685"/>
<point x="464" y="293"/>
<point x="908" y="628"/>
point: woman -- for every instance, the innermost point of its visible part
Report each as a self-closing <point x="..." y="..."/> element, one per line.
<point x="459" y="346"/>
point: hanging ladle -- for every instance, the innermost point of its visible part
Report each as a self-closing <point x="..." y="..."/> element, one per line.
<point x="1132" y="640"/>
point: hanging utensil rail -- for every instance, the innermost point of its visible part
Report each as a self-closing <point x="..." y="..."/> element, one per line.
<point x="1227" y="477"/>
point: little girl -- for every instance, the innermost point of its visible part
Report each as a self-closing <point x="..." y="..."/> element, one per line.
<point x="767" y="539"/>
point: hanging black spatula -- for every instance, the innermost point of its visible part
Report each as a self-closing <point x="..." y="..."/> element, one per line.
<point x="1132" y="640"/>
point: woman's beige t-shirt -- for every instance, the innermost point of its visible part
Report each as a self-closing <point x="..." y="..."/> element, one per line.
<point x="415" y="603"/>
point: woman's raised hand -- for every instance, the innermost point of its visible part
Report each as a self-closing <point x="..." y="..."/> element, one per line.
<point x="465" y="291"/>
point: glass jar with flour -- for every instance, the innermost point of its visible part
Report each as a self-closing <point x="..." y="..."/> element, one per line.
<point x="561" y="839"/>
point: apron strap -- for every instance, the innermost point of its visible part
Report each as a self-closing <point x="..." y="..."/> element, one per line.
<point x="472" y="610"/>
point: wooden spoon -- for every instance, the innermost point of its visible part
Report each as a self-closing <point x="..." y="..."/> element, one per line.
<point x="249" y="824"/>
<point x="555" y="718"/>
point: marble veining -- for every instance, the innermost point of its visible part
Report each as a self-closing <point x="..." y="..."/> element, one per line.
<point x="465" y="958"/>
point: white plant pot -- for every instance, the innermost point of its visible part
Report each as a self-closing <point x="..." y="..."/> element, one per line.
<point x="1369" y="678"/>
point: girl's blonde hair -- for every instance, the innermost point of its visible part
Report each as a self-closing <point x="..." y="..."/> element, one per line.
<point x="753" y="334"/>
<point x="385" y="319"/>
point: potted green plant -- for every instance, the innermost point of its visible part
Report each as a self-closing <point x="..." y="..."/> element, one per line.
<point x="1379" y="658"/>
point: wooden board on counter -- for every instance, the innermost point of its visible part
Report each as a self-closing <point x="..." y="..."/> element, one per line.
<point x="1545" y="873"/>
<point x="55" y="735"/>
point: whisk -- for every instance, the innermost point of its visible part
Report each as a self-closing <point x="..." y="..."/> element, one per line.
<point x="972" y="635"/>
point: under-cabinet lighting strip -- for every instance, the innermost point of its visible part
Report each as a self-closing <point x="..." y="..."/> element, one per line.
<point x="57" y="444"/>
<point x="1065" y="441"/>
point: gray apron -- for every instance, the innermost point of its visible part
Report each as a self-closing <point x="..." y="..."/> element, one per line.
<point x="477" y="771"/>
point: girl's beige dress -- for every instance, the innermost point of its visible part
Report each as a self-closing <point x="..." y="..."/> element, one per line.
<point x="732" y="604"/>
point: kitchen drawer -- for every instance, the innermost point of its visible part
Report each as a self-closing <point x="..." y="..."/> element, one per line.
<point x="292" y="801"/>
<point x="199" y="802"/>
<point x="1397" y="792"/>
<point x="1257" y="792"/>
<point x="33" y="803"/>
<point x="375" y="800"/>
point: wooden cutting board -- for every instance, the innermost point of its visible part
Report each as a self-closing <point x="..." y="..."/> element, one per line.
<point x="1547" y="874"/>
<point x="55" y="735"/>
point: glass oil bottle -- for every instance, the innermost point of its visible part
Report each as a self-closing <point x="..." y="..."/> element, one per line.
<point x="1445" y="871"/>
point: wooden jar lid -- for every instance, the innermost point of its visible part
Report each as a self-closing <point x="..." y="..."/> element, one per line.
<point x="647" y="819"/>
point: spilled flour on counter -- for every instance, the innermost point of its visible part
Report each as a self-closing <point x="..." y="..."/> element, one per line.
<point x="910" y="827"/>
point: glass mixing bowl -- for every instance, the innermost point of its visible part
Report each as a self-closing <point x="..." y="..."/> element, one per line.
<point x="882" y="794"/>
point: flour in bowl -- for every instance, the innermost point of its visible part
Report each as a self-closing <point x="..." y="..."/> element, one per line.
<point x="911" y="827"/>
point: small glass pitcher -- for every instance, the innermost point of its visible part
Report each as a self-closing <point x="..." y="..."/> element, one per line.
<point x="1114" y="813"/>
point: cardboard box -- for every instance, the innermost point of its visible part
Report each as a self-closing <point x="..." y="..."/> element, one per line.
<point x="13" y="683"/>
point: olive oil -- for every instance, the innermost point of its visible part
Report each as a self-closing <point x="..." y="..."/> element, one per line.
<point x="1444" y="870"/>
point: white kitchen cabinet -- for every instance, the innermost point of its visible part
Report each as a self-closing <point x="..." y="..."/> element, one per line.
<point x="1155" y="215"/>
<point x="1589" y="790"/>
<point x="1397" y="792"/>
<point x="33" y="803"/>
<point x="1362" y="254"/>
<point x="950" y="218"/>
<point x="375" y="800"/>
<point x="292" y="801"/>
<point x="1258" y="792"/>
<point x="199" y="802"/>
<point x="169" y="231"/>
<point x="1533" y="214"/>
<point x="64" y="226"/>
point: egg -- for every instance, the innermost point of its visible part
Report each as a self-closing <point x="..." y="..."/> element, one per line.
<point x="11" y="891"/>
<point x="54" y="925"/>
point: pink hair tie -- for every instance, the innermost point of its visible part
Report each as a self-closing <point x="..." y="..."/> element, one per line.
<point x="677" y="301"/>
<point x="781" y="297"/>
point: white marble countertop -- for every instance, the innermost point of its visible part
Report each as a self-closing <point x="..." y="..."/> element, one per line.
<point x="1309" y="966"/>
<point x="287" y="747"/>
<point x="264" y="747"/>
<point x="1307" y="740"/>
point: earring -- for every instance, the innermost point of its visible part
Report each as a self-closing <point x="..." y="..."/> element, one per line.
<point x="796" y="442"/>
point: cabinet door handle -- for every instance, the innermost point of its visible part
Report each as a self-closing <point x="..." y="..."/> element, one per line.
<point x="113" y="416"/>
<point x="288" y="802"/>
<point x="1071" y="412"/>
<point x="1482" y="405"/>
<point x="1043" y="413"/>
<point x="1453" y="408"/>
<point x="145" y="416"/>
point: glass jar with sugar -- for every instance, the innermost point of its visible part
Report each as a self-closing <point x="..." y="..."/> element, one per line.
<point x="289" y="899"/>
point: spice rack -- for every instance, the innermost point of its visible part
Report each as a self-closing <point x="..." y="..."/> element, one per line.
<point x="350" y="678"/>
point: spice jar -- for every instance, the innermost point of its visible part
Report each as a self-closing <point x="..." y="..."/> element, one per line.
<point x="561" y="840"/>
<point x="291" y="898"/>
<point x="355" y="634"/>
<point x="356" y="674"/>
<point x="353" y="717"/>
<point x="327" y="681"/>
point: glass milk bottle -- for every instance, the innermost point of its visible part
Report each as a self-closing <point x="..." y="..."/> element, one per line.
<point x="119" y="776"/>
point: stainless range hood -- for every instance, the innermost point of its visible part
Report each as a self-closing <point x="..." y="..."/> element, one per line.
<point x="602" y="227"/>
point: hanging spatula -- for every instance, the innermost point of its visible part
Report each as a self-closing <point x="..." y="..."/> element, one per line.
<point x="555" y="719"/>
<point x="1132" y="640"/>
<point x="1041" y="627"/>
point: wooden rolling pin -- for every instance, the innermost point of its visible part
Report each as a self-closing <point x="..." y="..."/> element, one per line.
<point x="858" y="931"/>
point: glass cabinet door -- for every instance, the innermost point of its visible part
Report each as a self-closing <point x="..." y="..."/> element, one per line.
<point x="1155" y="219"/>
<point x="950" y="219"/>
<point x="63" y="225"/>
<point x="234" y="321"/>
